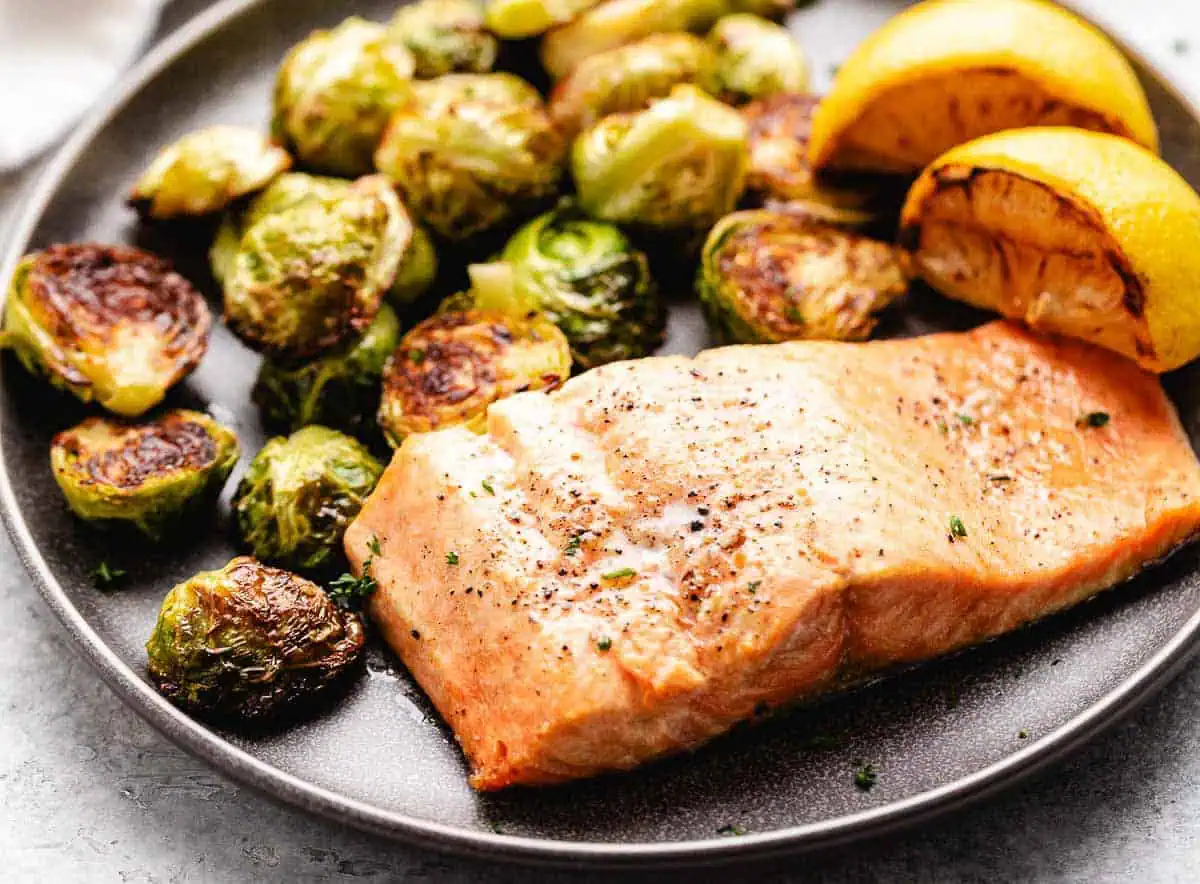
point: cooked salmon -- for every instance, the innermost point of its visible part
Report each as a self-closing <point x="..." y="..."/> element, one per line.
<point x="629" y="566"/>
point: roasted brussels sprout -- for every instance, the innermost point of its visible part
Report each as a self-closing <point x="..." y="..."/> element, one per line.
<point x="456" y="363"/>
<point x="680" y="164"/>
<point x="205" y="171"/>
<point x="339" y="389"/>
<point x="418" y="269"/>
<point x="299" y="494"/>
<point x="110" y="324"/>
<point x="335" y="92"/>
<point x="311" y="276"/>
<point x="629" y="77"/>
<point x="773" y="276"/>
<point x="517" y="19"/>
<point x="250" y="643"/>
<point x="445" y="36"/>
<point x="591" y="282"/>
<point x="756" y="58"/>
<point x="148" y="475"/>
<point x="472" y="151"/>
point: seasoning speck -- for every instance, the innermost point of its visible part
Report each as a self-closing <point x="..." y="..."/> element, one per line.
<point x="603" y="643"/>
<point x="752" y="586"/>
<point x="866" y="777"/>
<point x="451" y="558"/>
<point x="1094" y="419"/>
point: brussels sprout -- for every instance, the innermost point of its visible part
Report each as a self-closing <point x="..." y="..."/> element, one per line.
<point x="517" y="19"/>
<point x="299" y="494"/>
<point x="445" y="36"/>
<point x="471" y="152"/>
<point x="773" y="276"/>
<point x="312" y="275"/>
<point x="205" y="171"/>
<point x="110" y="324"/>
<point x="335" y="92"/>
<point x="339" y="389"/>
<point x="680" y="164"/>
<point x="149" y="475"/>
<point x="756" y="58"/>
<point x="456" y="363"/>
<point x="588" y="279"/>
<point x="418" y="269"/>
<point x="250" y="643"/>
<point x="629" y="77"/>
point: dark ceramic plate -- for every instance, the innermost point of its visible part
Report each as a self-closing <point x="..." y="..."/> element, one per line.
<point x="381" y="759"/>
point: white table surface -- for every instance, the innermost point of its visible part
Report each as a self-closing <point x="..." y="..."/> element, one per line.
<point x="88" y="792"/>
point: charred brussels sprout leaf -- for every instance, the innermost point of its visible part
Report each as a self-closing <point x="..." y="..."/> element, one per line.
<point x="629" y="77"/>
<point x="339" y="389"/>
<point x="110" y="324"/>
<point x="471" y="152"/>
<point x="588" y="279"/>
<point x="205" y="171"/>
<point x="335" y="92"/>
<point x="445" y="37"/>
<point x="774" y="276"/>
<point x="148" y="475"/>
<point x="250" y="643"/>
<point x="418" y="269"/>
<point x="517" y="19"/>
<point x="311" y="276"/>
<point x="455" y="364"/>
<point x="756" y="58"/>
<point x="680" y="164"/>
<point x="299" y="494"/>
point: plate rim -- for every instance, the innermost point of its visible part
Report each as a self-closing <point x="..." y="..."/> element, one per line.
<point x="266" y="780"/>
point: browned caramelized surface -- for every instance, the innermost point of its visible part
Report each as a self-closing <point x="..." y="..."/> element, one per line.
<point x="126" y="456"/>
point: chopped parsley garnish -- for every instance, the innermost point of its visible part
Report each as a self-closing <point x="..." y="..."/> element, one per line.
<point x="415" y="356"/>
<point x="965" y="419"/>
<point x="619" y="574"/>
<point x="957" y="528"/>
<point x="1023" y="735"/>
<point x="487" y="486"/>
<point x="451" y="558"/>
<point x="573" y="545"/>
<point x="941" y="425"/>
<point x="752" y="586"/>
<point x="373" y="546"/>
<point x="348" y="591"/>
<point x="731" y="829"/>
<point x="604" y="643"/>
<point x="105" y="576"/>
<point x="1094" y="419"/>
<point x="866" y="777"/>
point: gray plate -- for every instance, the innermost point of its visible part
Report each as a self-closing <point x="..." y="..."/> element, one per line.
<point x="381" y="759"/>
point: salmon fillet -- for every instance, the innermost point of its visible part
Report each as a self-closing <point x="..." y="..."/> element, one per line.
<point x="629" y="566"/>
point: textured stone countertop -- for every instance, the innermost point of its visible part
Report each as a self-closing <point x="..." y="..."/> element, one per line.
<point x="90" y="793"/>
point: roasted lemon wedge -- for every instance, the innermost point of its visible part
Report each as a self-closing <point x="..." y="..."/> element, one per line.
<point x="948" y="71"/>
<point x="1074" y="232"/>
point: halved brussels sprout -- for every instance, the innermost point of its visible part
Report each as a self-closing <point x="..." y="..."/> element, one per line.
<point x="299" y="494"/>
<point x="456" y="363"/>
<point x="471" y="152"/>
<point x="149" y="475"/>
<point x="589" y="280"/>
<point x="445" y="36"/>
<point x="680" y="164"/>
<point x="205" y="171"/>
<point x="756" y="58"/>
<point x="517" y="19"/>
<point x="311" y="276"/>
<point x="111" y="324"/>
<point x="250" y="643"/>
<point x="629" y="77"/>
<point x="335" y="93"/>
<point x="418" y="269"/>
<point x="773" y="276"/>
<point x="779" y="170"/>
<point x="339" y="389"/>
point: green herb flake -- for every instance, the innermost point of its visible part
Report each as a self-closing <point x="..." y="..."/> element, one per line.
<point x="752" y="586"/>
<point x="1094" y="420"/>
<point x="619" y="574"/>
<point x="349" y="591"/>
<point x="451" y="558"/>
<point x="415" y="356"/>
<point x="941" y="425"/>
<point x="573" y="544"/>
<point x="604" y="643"/>
<point x="732" y="829"/>
<point x="1023" y="735"/>
<point x="373" y="546"/>
<point x="487" y="486"/>
<point x="957" y="528"/>
<point x="106" y="577"/>
<point x="865" y="777"/>
<point x="965" y="419"/>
